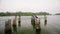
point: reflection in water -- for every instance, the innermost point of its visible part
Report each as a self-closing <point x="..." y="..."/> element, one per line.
<point x="8" y="29"/>
<point x="38" y="31"/>
<point x="19" y="24"/>
<point x="33" y="24"/>
<point x="15" y="29"/>
<point x="35" y="27"/>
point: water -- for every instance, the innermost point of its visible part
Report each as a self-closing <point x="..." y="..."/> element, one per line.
<point x="52" y="26"/>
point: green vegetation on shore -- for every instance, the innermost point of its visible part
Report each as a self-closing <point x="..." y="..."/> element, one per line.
<point x="23" y="13"/>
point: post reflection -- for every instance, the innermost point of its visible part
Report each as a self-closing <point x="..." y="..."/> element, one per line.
<point x="38" y="31"/>
<point x="15" y="29"/>
<point x="36" y="28"/>
<point x="33" y="25"/>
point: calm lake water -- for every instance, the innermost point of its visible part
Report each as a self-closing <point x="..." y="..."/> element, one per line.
<point x="25" y="27"/>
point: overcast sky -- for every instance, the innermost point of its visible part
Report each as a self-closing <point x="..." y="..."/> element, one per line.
<point x="51" y="6"/>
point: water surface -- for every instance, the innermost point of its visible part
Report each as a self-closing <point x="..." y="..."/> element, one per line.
<point x="52" y="26"/>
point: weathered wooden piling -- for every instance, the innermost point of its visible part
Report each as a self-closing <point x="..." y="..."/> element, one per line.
<point x="38" y="31"/>
<point x="37" y="23"/>
<point x="8" y="29"/>
<point x="14" y="25"/>
<point x="19" y="21"/>
<point x="14" y="21"/>
<point x="45" y="22"/>
<point x="33" y="19"/>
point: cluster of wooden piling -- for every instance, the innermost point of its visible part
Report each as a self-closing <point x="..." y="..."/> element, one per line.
<point x="36" y="24"/>
<point x="35" y="21"/>
<point x="8" y="28"/>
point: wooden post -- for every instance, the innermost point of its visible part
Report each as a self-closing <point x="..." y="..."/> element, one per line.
<point x="14" y="21"/>
<point x="19" y="21"/>
<point x="37" y="23"/>
<point x="8" y="29"/>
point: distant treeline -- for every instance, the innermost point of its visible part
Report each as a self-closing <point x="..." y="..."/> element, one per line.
<point x="22" y="13"/>
<point x="57" y="14"/>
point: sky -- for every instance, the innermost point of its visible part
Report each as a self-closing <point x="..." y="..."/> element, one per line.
<point x="50" y="6"/>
